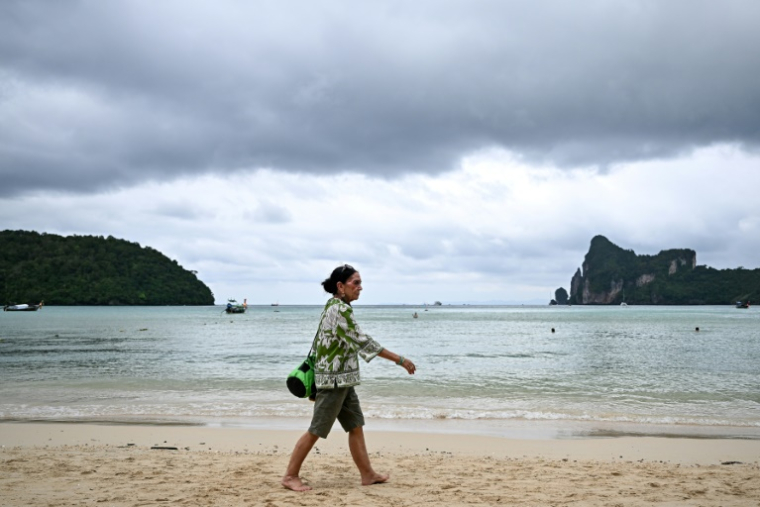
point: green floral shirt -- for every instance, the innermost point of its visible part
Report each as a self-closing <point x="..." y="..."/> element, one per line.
<point x="339" y="343"/>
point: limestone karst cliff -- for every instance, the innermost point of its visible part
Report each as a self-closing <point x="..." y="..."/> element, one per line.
<point x="613" y="275"/>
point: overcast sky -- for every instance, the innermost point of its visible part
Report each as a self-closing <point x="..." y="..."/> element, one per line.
<point x="461" y="151"/>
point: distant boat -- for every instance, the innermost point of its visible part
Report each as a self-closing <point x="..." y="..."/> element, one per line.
<point x="623" y="304"/>
<point x="234" y="307"/>
<point x="275" y="304"/>
<point x="739" y="304"/>
<point x="22" y="308"/>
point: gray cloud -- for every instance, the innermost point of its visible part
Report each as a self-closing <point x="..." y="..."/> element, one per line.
<point x="98" y="95"/>
<point x="270" y="213"/>
<point x="177" y="210"/>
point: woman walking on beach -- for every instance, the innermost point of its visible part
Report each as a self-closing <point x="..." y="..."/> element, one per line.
<point x="339" y="343"/>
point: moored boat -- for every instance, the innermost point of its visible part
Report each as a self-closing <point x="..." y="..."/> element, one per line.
<point x="234" y="307"/>
<point x="23" y="307"/>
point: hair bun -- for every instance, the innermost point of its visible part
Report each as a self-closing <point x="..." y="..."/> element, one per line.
<point x="340" y="274"/>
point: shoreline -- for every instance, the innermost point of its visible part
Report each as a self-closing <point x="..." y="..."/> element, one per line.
<point x="517" y="429"/>
<point x="670" y="449"/>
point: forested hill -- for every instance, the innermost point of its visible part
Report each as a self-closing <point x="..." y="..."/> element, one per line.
<point x="92" y="270"/>
<point x="612" y="275"/>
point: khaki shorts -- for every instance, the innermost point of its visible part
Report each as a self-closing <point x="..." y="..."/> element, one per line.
<point x="340" y="403"/>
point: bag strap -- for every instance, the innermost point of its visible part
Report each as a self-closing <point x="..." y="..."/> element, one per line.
<point x="316" y="335"/>
<point x="312" y="349"/>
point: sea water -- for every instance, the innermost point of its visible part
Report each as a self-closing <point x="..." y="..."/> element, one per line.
<point x="500" y="370"/>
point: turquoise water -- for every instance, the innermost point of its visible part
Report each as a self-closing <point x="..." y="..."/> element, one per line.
<point x="643" y="366"/>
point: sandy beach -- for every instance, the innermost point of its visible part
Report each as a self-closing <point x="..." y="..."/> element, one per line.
<point x="50" y="464"/>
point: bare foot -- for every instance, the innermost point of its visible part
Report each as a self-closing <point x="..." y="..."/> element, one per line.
<point x="375" y="478"/>
<point x="294" y="482"/>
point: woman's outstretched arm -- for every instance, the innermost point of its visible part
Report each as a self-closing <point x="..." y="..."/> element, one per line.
<point x="402" y="361"/>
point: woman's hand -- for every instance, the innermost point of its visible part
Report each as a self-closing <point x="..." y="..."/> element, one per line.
<point x="405" y="363"/>
<point x="409" y="366"/>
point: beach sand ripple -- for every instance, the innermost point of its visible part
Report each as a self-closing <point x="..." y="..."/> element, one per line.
<point x="121" y="476"/>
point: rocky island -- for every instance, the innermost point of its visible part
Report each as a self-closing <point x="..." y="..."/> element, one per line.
<point x="611" y="275"/>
